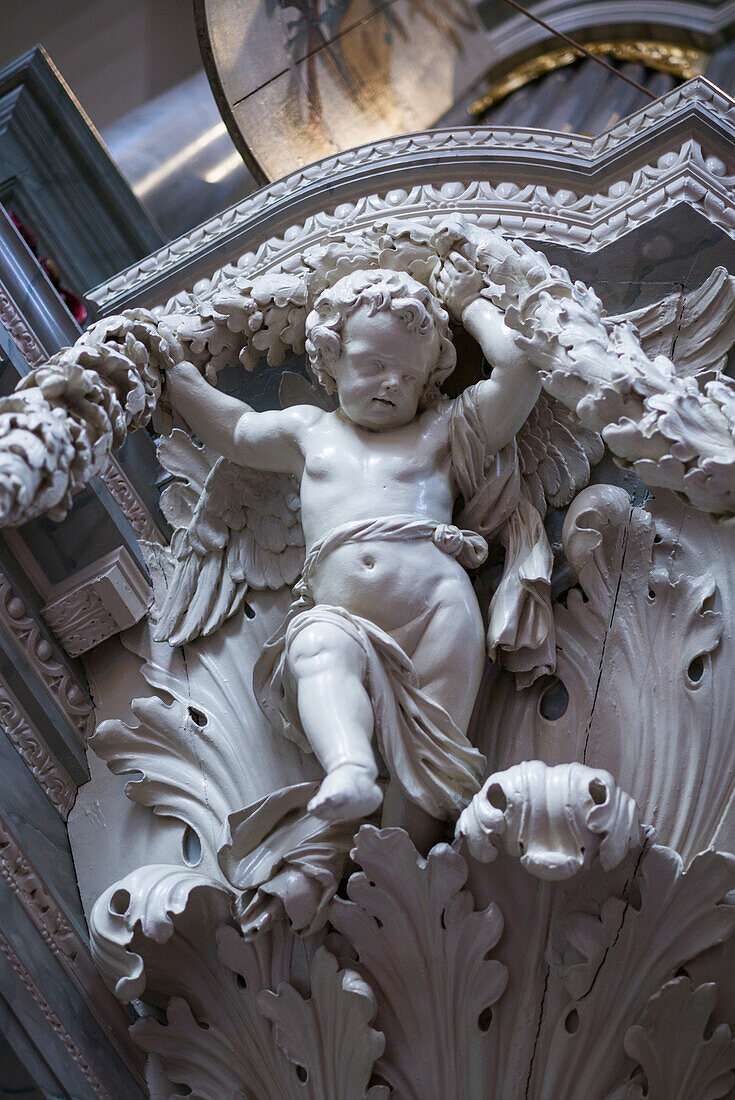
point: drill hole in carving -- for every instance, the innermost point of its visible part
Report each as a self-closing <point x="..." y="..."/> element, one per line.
<point x="695" y="672"/>
<point x="496" y="797"/>
<point x="241" y="983"/>
<point x="119" y="902"/>
<point x="571" y="1023"/>
<point x="197" y="717"/>
<point x="554" y="701"/>
<point x="302" y="1074"/>
<point x="191" y="847"/>
<point x="598" y="792"/>
<point x="485" y="1019"/>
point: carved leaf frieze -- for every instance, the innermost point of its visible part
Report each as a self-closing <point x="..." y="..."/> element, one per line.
<point x="48" y="773"/>
<point x="38" y="651"/>
<point x="327" y="1038"/>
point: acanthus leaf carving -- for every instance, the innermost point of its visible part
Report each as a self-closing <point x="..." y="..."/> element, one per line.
<point x="679" y="1057"/>
<point x="609" y="916"/>
<point x="327" y="1038"/>
<point x="413" y="925"/>
<point x="635" y="568"/>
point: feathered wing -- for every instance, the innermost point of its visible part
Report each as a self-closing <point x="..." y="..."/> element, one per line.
<point x="555" y="455"/>
<point x="245" y="533"/>
<point x="695" y="330"/>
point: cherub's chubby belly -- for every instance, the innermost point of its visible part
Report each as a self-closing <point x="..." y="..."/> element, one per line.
<point x="392" y="583"/>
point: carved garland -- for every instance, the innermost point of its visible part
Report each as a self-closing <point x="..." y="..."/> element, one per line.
<point x="534" y="213"/>
<point x="66" y="417"/>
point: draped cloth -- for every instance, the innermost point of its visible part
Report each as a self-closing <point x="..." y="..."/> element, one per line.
<point x="520" y="632"/>
<point x="425" y="752"/>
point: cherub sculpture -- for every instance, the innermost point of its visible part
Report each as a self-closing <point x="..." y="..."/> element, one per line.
<point x="384" y="644"/>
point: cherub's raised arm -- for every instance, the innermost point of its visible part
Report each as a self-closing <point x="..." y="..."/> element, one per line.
<point x="265" y="441"/>
<point x="505" y="399"/>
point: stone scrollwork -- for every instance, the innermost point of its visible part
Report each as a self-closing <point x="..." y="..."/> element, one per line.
<point x="556" y="820"/>
<point x="318" y="937"/>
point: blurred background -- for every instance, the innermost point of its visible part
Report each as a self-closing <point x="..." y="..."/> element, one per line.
<point x="296" y="79"/>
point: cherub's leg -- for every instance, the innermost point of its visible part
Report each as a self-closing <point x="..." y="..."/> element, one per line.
<point x="450" y="657"/>
<point x="337" y="717"/>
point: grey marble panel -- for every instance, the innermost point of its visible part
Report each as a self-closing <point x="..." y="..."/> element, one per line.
<point x="36" y="990"/>
<point x="678" y="249"/>
<point x="40" y="832"/>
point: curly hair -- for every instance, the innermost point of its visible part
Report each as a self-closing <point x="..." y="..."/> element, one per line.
<point x="406" y="299"/>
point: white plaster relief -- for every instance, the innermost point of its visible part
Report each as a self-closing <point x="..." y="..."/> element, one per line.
<point x="522" y="984"/>
<point x="555" y="820"/>
<point x="691" y="170"/>
<point x="96" y="602"/>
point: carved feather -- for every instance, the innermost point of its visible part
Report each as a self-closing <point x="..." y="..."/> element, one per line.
<point x="556" y="455"/>
<point x="695" y="330"/>
<point x="245" y="533"/>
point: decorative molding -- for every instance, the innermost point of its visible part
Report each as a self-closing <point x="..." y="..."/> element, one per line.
<point x="131" y="503"/>
<point x="53" y="1019"/>
<point x="97" y="602"/>
<point x="16" y="324"/>
<point x="38" y="651"/>
<point x="64" y="942"/>
<point x="607" y="184"/>
<point x="45" y="769"/>
<point x="25" y="882"/>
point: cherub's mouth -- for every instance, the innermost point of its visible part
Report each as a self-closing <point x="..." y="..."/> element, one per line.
<point x="385" y="401"/>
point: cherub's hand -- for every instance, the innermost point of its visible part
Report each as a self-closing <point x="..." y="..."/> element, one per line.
<point x="459" y="284"/>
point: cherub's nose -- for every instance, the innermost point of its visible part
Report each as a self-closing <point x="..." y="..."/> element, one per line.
<point x="391" y="382"/>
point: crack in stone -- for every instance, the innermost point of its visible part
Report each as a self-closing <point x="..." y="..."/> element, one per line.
<point x="598" y="682"/>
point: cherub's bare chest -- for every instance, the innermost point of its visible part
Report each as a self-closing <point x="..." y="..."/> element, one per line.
<point x="356" y="458"/>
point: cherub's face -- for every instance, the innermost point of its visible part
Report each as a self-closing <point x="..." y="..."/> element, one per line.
<point x="382" y="370"/>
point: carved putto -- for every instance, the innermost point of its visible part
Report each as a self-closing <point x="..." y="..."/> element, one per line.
<point x="379" y="691"/>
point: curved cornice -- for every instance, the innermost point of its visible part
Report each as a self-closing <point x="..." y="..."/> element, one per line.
<point x="685" y="19"/>
<point x="568" y="188"/>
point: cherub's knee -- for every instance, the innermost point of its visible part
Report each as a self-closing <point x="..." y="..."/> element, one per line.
<point x="322" y="647"/>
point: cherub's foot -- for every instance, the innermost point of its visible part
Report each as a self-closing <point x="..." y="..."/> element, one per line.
<point x="347" y="793"/>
